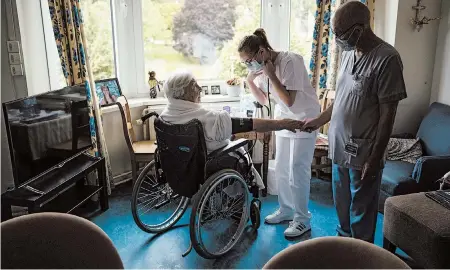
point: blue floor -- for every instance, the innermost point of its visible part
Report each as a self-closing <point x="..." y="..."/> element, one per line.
<point x="141" y="250"/>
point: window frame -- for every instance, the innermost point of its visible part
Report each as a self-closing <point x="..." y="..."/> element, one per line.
<point x="128" y="44"/>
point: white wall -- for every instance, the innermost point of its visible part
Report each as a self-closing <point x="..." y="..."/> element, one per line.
<point x="441" y="78"/>
<point x="11" y="87"/>
<point x="417" y="50"/>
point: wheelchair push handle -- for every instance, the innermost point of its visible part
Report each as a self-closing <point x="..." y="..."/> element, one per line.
<point x="145" y="117"/>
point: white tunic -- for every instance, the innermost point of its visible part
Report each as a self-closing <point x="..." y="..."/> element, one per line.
<point x="291" y="71"/>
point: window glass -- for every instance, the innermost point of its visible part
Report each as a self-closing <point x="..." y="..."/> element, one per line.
<point x="98" y="31"/>
<point x="198" y="35"/>
<point x="302" y="28"/>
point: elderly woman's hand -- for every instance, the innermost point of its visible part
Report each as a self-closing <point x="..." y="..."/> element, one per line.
<point x="291" y="125"/>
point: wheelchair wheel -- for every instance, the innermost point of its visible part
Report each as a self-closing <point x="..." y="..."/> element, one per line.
<point x="220" y="214"/>
<point x="155" y="207"/>
<point x="255" y="214"/>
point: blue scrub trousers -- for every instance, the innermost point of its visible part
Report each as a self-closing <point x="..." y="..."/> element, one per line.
<point x="356" y="202"/>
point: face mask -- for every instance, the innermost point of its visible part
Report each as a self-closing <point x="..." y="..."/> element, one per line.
<point x="348" y="45"/>
<point x="254" y="66"/>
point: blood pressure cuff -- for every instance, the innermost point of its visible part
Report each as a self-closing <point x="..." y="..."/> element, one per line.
<point x="240" y="125"/>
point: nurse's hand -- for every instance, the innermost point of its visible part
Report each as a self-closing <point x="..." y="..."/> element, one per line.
<point x="370" y="171"/>
<point x="251" y="76"/>
<point x="269" y="69"/>
<point x="312" y="124"/>
<point x="291" y="125"/>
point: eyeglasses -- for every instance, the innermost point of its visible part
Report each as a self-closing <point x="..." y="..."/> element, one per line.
<point x="249" y="61"/>
<point x="346" y="31"/>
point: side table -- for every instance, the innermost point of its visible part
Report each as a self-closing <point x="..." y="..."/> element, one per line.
<point x="59" y="189"/>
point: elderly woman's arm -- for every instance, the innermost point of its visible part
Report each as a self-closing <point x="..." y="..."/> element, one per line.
<point x="239" y="125"/>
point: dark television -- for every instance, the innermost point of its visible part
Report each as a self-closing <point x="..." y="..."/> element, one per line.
<point x="46" y="129"/>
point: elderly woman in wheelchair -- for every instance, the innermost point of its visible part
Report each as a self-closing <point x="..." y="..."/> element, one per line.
<point x="196" y="159"/>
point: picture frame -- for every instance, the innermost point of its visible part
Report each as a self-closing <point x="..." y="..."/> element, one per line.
<point x="205" y="89"/>
<point x="215" y="89"/>
<point x="108" y="90"/>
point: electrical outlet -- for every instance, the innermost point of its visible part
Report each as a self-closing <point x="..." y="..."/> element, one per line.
<point x="13" y="46"/>
<point x="15" y="59"/>
<point x="16" y="70"/>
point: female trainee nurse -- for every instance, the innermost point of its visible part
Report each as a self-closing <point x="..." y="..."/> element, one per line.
<point x="283" y="77"/>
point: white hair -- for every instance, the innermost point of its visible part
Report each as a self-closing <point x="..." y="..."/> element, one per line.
<point x="177" y="83"/>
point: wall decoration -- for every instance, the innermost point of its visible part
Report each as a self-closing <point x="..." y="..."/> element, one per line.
<point x="205" y="89"/>
<point x="108" y="91"/>
<point x="418" y="22"/>
<point x="215" y="89"/>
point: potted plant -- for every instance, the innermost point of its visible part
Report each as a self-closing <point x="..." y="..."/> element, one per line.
<point x="234" y="87"/>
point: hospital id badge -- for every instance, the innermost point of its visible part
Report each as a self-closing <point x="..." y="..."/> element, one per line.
<point x="351" y="149"/>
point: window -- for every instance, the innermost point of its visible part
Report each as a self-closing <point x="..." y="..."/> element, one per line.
<point x="129" y="38"/>
<point x="99" y="34"/>
<point x="302" y="28"/>
<point x="198" y="35"/>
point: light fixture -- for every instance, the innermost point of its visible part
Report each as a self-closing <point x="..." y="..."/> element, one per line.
<point x="418" y="22"/>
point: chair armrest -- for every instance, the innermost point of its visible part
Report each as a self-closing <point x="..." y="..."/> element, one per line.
<point x="403" y="136"/>
<point x="231" y="147"/>
<point x="429" y="169"/>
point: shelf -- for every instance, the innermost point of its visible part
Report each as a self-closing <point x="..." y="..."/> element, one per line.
<point x="71" y="199"/>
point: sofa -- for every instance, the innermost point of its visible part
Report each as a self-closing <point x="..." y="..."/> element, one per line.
<point x="400" y="177"/>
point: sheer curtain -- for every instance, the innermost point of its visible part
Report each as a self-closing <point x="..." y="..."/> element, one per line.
<point x="70" y="42"/>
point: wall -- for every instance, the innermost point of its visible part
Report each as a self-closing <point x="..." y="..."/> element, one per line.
<point x="441" y="78"/>
<point x="11" y="87"/>
<point x="417" y="50"/>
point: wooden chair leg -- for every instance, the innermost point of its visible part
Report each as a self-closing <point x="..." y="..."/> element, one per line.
<point x="388" y="245"/>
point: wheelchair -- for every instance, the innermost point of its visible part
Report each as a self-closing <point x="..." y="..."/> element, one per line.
<point x="217" y="186"/>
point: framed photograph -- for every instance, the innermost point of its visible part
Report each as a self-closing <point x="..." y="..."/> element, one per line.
<point x="108" y="91"/>
<point x="215" y="89"/>
<point x="205" y="89"/>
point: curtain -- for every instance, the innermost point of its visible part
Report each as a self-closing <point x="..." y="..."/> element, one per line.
<point x="70" y="41"/>
<point x="325" y="54"/>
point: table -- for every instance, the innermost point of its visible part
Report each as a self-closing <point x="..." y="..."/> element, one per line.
<point x="265" y="137"/>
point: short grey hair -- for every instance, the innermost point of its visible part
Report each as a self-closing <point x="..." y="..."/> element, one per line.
<point x="177" y="83"/>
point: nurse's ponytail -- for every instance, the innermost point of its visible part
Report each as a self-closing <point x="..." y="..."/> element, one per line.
<point x="250" y="44"/>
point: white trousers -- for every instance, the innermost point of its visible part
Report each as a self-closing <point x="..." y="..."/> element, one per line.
<point x="293" y="173"/>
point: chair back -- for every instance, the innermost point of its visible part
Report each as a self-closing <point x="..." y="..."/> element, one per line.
<point x="80" y="128"/>
<point x="335" y="253"/>
<point x="128" y="130"/>
<point x="182" y="155"/>
<point x="434" y="131"/>
<point x="56" y="241"/>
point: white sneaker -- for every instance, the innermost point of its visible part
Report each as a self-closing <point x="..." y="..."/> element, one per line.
<point x="277" y="217"/>
<point x="296" y="229"/>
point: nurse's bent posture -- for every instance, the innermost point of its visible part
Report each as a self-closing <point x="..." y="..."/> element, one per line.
<point x="283" y="77"/>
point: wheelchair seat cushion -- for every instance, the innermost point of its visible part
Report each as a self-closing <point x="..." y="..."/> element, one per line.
<point x="182" y="155"/>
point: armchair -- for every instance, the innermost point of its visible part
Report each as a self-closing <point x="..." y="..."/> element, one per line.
<point x="401" y="177"/>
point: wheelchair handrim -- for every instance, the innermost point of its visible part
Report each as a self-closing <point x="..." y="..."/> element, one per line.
<point x="166" y="224"/>
<point x="242" y="223"/>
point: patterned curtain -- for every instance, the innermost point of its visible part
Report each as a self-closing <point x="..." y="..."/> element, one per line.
<point x="70" y="41"/>
<point x="325" y="54"/>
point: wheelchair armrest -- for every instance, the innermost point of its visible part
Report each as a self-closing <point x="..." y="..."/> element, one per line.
<point x="231" y="147"/>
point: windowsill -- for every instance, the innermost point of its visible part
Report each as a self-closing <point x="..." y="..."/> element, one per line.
<point x="139" y="102"/>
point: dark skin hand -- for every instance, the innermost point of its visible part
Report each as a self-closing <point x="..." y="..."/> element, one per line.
<point x="384" y="131"/>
